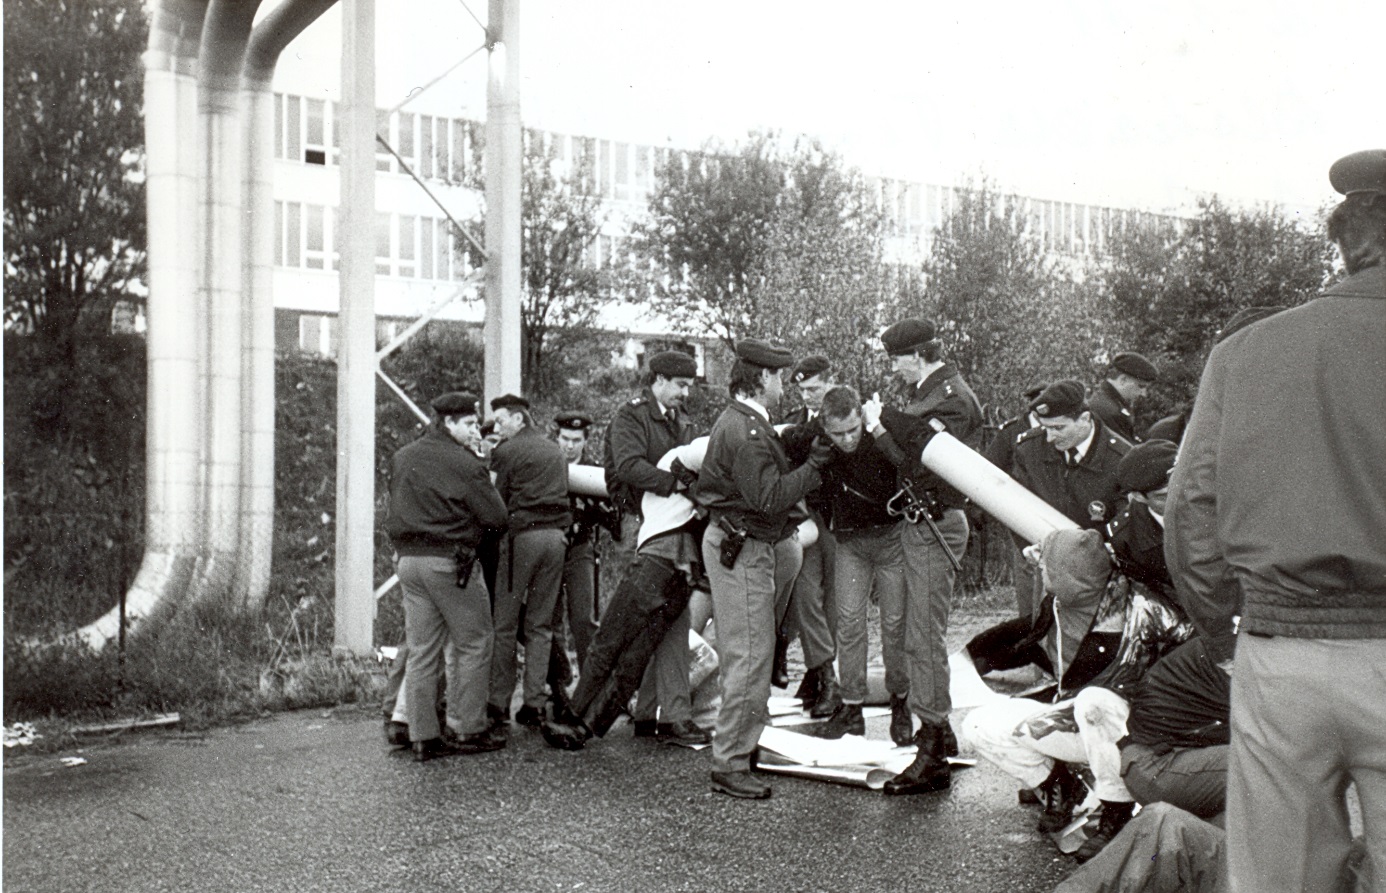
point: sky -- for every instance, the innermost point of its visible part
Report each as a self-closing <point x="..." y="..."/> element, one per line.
<point x="1145" y="105"/>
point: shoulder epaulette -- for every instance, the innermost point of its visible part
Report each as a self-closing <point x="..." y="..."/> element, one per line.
<point x="1030" y="433"/>
<point x="637" y="401"/>
<point x="1115" y="525"/>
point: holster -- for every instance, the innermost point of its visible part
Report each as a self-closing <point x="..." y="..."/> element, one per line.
<point x="733" y="544"/>
<point x="466" y="560"/>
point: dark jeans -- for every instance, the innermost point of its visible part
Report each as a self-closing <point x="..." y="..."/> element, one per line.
<point x="652" y="595"/>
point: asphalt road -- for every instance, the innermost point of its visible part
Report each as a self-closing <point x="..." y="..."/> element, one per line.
<point x="315" y="801"/>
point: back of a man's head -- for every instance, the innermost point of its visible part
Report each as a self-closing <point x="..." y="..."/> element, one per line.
<point x="1358" y="227"/>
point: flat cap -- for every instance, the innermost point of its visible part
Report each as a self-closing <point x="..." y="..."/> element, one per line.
<point x="1066" y="397"/>
<point x="1147" y="466"/>
<point x="762" y="353"/>
<point x="808" y="367"/>
<point x="573" y="421"/>
<point x="454" y="403"/>
<point x="1135" y="365"/>
<point x="673" y="364"/>
<point x="907" y="335"/>
<point x="509" y="401"/>
<point x="1245" y="317"/>
<point x="1359" y="172"/>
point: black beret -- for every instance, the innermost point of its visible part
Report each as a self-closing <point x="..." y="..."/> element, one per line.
<point x="1065" y="397"/>
<point x="808" y="367"/>
<point x="1146" y="466"/>
<point x="1034" y="390"/>
<point x="454" y="403"/>
<point x="907" y="335"/>
<point x="509" y="401"/>
<point x="1136" y="366"/>
<point x="762" y="353"/>
<point x="1359" y="172"/>
<point x="674" y="364"/>
<point x="573" y="421"/>
<point x="1245" y="317"/>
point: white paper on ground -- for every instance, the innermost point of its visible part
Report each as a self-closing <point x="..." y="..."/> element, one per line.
<point x="849" y="750"/>
<point x="782" y="705"/>
<point x="803" y="719"/>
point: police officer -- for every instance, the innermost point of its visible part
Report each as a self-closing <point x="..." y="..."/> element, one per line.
<point x="441" y="499"/>
<point x="1070" y="460"/>
<point x="579" y="591"/>
<point x="937" y="399"/>
<point x="532" y="477"/>
<point x="751" y="552"/>
<point x="812" y="612"/>
<point x="1129" y="378"/>
<point x="642" y="431"/>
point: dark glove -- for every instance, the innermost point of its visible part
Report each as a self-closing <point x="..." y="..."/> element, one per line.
<point x="821" y="453"/>
<point x="686" y="476"/>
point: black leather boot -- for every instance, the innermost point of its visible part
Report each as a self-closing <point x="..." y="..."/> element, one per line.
<point x="808" y="687"/>
<point x="829" y="698"/>
<point x="1114" y="818"/>
<point x="901" y="720"/>
<point x="1063" y="792"/>
<point x="929" y="771"/>
<point x="779" y="671"/>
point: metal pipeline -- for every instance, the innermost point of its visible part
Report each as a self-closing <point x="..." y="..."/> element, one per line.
<point x="256" y="536"/>
<point x="174" y="405"/>
<point x="221" y="141"/>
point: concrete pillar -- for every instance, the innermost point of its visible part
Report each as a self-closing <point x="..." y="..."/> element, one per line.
<point x="504" y="150"/>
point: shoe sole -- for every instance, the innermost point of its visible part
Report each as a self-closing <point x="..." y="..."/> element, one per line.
<point x="741" y="795"/>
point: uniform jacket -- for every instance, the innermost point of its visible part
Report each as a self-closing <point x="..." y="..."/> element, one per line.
<point x="532" y="477"/>
<point x="1113" y="410"/>
<point x="440" y="497"/>
<point x="1184" y="701"/>
<point x="1086" y="493"/>
<point x="944" y="396"/>
<point x="1138" y="545"/>
<point x="1001" y="451"/>
<point x="1278" y="500"/>
<point x="639" y="434"/>
<point x="747" y="478"/>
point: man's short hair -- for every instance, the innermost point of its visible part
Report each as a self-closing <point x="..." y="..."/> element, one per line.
<point x="840" y="402"/>
<point x="1359" y="219"/>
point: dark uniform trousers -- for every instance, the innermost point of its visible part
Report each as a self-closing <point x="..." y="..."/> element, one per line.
<point x="579" y="597"/>
<point x="434" y="610"/>
<point x="652" y="595"/>
<point x="746" y="599"/>
<point x="531" y="570"/>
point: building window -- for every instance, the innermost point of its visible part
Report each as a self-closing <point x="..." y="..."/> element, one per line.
<point x="382" y="244"/>
<point x="317" y="334"/>
<point x="621" y="171"/>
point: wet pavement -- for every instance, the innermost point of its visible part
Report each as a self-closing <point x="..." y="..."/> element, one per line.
<point x="315" y="801"/>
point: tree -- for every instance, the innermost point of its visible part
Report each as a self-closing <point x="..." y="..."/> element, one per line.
<point x="1172" y="289"/>
<point x="74" y="147"/>
<point x="1008" y="313"/>
<point x="783" y="243"/>
<point x="709" y="216"/>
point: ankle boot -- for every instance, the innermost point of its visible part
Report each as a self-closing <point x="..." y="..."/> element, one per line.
<point x="901" y="720"/>
<point x="779" y="670"/>
<point x="1063" y="792"/>
<point x="1114" y="818"/>
<point x="829" y="698"/>
<point x="846" y="720"/>
<point x="929" y="771"/>
<point x="809" y="687"/>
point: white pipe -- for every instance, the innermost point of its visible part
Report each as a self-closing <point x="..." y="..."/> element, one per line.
<point x="172" y="435"/>
<point x="501" y="329"/>
<point x="991" y="488"/>
<point x="220" y="130"/>
<point x="256" y="539"/>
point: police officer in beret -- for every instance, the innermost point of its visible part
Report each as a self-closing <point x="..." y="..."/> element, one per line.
<point x="532" y="477"/>
<point x="812" y="612"/>
<point x="645" y="428"/>
<point x="937" y="398"/>
<point x="751" y="551"/>
<point x="1129" y="377"/>
<point x="441" y="500"/>
<point x="1275" y="514"/>
<point x="578" y="595"/>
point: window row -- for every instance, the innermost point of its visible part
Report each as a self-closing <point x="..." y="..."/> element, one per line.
<point x="408" y="245"/>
